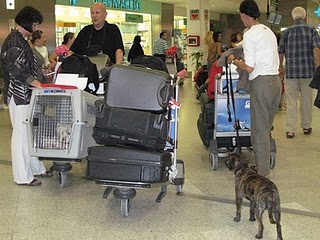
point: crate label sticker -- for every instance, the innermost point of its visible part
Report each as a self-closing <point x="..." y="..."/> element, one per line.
<point x="54" y="91"/>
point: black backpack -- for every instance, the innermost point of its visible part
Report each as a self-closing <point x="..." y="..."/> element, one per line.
<point x="150" y="62"/>
<point x="79" y="64"/>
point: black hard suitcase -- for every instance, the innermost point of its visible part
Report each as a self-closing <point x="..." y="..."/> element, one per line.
<point x="132" y="128"/>
<point x="138" y="88"/>
<point x="205" y="131"/>
<point x="127" y="165"/>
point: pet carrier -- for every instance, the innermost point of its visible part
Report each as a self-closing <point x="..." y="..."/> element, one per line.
<point x="59" y="125"/>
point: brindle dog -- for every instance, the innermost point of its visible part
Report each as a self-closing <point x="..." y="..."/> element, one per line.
<point x="260" y="191"/>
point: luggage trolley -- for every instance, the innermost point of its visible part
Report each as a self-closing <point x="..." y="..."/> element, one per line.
<point x="226" y="138"/>
<point x="171" y="169"/>
<point x="59" y="127"/>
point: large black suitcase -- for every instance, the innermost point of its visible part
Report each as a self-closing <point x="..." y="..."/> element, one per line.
<point x="138" y="88"/>
<point x="127" y="165"/>
<point x="133" y="128"/>
<point x="152" y="62"/>
<point x="205" y="131"/>
<point x="207" y="108"/>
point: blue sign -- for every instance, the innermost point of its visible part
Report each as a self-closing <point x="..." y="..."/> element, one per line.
<point x="73" y="2"/>
<point x="317" y="12"/>
<point x="133" y="5"/>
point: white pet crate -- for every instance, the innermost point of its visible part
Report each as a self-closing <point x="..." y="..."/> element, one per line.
<point x="60" y="123"/>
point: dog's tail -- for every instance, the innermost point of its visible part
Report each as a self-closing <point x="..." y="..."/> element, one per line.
<point x="274" y="207"/>
<point x="276" y="212"/>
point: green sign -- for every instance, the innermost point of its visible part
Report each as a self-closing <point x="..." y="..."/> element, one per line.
<point x="133" y="5"/>
<point x="134" y="18"/>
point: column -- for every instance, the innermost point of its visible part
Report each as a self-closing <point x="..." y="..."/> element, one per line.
<point x="198" y="23"/>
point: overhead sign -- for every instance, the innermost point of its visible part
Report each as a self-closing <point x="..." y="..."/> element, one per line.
<point x="194" y="14"/>
<point x="10" y="4"/>
<point x="133" y="5"/>
<point x="134" y="18"/>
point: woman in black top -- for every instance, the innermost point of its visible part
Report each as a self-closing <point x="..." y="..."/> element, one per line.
<point x="136" y="49"/>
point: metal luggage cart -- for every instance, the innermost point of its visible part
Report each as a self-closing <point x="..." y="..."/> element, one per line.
<point x="232" y="125"/>
<point x="59" y="127"/>
<point x="125" y="191"/>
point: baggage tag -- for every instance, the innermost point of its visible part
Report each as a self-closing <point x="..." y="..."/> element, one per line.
<point x="173" y="172"/>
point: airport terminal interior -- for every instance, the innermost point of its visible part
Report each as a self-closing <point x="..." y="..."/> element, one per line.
<point x="204" y="211"/>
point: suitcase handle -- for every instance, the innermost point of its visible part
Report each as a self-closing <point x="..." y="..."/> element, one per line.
<point x="163" y="94"/>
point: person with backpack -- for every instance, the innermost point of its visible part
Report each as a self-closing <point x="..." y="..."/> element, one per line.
<point x="20" y="74"/>
<point x="99" y="36"/>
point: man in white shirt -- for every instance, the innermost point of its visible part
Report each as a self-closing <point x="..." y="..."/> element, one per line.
<point x="261" y="61"/>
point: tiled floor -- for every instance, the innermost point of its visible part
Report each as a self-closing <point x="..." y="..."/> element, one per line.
<point x="206" y="210"/>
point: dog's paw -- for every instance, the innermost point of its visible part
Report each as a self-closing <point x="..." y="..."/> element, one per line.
<point x="259" y="236"/>
<point x="252" y="219"/>
<point x="236" y="219"/>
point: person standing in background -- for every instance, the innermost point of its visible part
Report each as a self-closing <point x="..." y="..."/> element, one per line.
<point x="236" y="39"/>
<point x="20" y="74"/>
<point x="62" y="51"/>
<point x="160" y="47"/>
<point x="214" y="49"/>
<point x="136" y="49"/>
<point x="299" y="44"/>
<point x="39" y="42"/>
<point x="100" y="36"/>
<point x="40" y="60"/>
<point x="261" y="61"/>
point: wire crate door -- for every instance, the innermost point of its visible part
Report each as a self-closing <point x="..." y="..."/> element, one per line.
<point x="52" y="122"/>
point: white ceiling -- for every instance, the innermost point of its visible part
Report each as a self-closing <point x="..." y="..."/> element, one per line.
<point x="219" y="6"/>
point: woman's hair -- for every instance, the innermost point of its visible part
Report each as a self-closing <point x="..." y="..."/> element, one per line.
<point x="36" y="35"/>
<point x="215" y="36"/>
<point x="27" y="17"/>
<point x="298" y="13"/>
<point x="66" y="37"/>
<point x="234" y="37"/>
<point x="250" y="8"/>
<point x="137" y="39"/>
<point x="208" y="38"/>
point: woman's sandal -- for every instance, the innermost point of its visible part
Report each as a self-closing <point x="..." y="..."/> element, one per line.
<point x="290" y="134"/>
<point x="307" y="131"/>
<point x="34" y="182"/>
<point x="45" y="174"/>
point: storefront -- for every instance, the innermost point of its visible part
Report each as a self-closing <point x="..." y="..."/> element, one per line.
<point x="133" y="17"/>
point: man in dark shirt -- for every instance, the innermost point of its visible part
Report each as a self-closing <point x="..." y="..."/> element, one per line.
<point x="100" y="33"/>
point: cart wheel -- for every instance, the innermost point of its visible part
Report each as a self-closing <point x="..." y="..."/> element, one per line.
<point x="213" y="158"/>
<point x="62" y="178"/>
<point x="125" y="205"/>
<point x="179" y="189"/>
<point x="272" y="160"/>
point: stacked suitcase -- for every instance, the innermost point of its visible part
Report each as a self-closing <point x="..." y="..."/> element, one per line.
<point x="132" y="128"/>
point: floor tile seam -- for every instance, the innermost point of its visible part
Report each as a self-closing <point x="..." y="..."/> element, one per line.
<point x="246" y="204"/>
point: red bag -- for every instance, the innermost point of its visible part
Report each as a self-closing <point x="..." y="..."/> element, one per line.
<point x="172" y="51"/>
<point x="212" y="79"/>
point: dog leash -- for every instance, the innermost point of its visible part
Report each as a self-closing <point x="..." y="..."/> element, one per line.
<point x="231" y="94"/>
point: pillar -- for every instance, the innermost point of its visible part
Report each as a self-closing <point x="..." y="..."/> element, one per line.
<point x="198" y="22"/>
